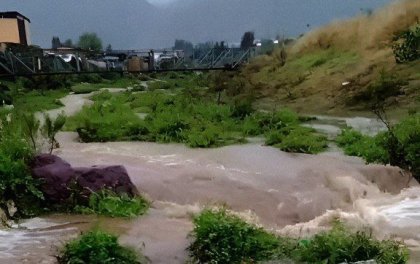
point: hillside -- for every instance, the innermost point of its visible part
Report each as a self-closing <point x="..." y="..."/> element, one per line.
<point x="329" y="67"/>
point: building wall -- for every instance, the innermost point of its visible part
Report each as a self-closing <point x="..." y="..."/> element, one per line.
<point x="9" y="31"/>
<point x="28" y="32"/>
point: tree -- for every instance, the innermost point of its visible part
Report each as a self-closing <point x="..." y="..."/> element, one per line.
<point x="184" y="45"/>
<point x="68" y="43"/>
<point x="90" y="41"/>
<point x="247" y="40"/>
<point x="51" y="127"/>
<point x="55" y="43"/>
<point x="108" y="48"/>
<point x="402" y="141"/>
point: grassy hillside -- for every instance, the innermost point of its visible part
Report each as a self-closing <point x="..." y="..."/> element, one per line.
<point x="353" y="52"/>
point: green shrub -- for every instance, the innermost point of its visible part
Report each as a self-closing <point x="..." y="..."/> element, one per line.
<point x="109" y="75"/>
<point x="221" y="237"/>
<point x="106" y="121"/>
<point x="262" y="122"/>
<point x="341" y="246"/>
<point x="5" y="96"/>
<point x="51" y="127"/>
<point x="297" y="139"/>
<point x="204" y="138"/>
<point x="83" y="88"/>
<point x="399" y="146"/>
<point x="189" y="119"/>
<point x="408" y="135"/>
<point x="47" y="82"/>
<point x="386" y="86"/>
<point x="369" y="148"/>
<point x="242" y="109"/>
<point x="16" y="182"/>
<point x="89" y="78"/>
<point x="114" y="205"/>
<point x="34" y="101"/>
<point x="167" y="126"/>
<point x="407" y="45"/>
<point x="156" y="85"/>
<point x="97" y="247"/>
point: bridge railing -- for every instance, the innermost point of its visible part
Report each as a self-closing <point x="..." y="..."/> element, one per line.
<point x="77" y="61"/>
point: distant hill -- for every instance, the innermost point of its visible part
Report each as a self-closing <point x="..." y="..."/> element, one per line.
<point x="330" y="66"/>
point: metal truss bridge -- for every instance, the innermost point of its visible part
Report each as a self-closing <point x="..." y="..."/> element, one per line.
<point x="32" y="62"/>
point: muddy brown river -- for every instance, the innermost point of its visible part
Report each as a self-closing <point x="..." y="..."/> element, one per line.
<point x="292" y="194"/>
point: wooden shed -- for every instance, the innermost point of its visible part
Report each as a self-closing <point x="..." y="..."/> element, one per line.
<point x="14" y="28"/>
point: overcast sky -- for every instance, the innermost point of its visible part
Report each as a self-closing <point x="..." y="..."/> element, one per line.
<point x="131" y="24"/>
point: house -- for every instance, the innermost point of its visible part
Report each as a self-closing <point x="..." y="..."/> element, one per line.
<point x="14" y="28"/>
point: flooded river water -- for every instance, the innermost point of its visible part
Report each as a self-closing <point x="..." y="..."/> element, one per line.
<point x="293" y="194"/>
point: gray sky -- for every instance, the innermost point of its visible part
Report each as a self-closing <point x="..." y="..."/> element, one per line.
<point x="130" y="24"/>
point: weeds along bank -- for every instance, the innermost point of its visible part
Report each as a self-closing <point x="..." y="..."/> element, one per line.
<point x="399" y="146"/>
<point x="327" y="69"/>
<point x="219" y="236"/>
<point x="190" y="115"/>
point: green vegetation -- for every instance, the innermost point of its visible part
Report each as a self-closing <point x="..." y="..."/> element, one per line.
<point x="35" y="101"/>
<point x="387" y="85"/>
<point x="221" y="237"/>
<point x="51" y="127"/>
<point x="16" y="182"/>
<point x="341" y="246"/>
<point x="283" y="131"/>
<point x="188" y="116"/>
<point x="297" y="139"/>
<point x="106" y="121"/>
<point x="98" y="247"/>
<point x="399" y="146"/>
<point x="407" y="45"/>
<point x="91" y="84"/>
<point x="369" y="148"/>
<point x="45" y="82"/>
<point x="328" y="58"/>
<point x="114" y="205"/>
<point x="90" y="41"/>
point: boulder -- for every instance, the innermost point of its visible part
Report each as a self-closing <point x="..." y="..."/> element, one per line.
<point x="55" y="175"/>
<point x="114" y="178"/>
<point x="59" y="180"/>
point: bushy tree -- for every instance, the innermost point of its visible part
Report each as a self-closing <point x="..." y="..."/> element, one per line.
<point x="184" y="45"/>
<point x="68" y="43"/>
<point x="90" y="41"/>
<point x="55" y="43"/>
<point x="108" y="48"/>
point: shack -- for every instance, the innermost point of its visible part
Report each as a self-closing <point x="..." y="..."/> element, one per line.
<point x="14" y="28"/>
